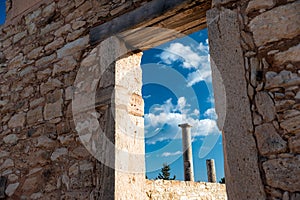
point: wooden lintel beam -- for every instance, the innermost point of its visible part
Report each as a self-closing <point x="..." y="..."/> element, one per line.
<point x="156" y="9"/>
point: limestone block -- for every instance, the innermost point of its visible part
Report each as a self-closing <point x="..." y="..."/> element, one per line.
<point x="49" y="10"/>
<point x="73" y="47"/>
<point x="290" y="55"/>
<point x="45" y="61"/>
<point x="55" y="96"/>
<point x="265" y="106"/>
<point x="67" y="64"/>
<point x="51" y="27"/>
<point x="78" y="24"/>
<point x="258" y="4"/>
<point x="291" y="125"/>
<point x="11" y="139"/>
<point x="44" y="141"/>
<point x="8" y="163"/>
<point x="35" y="116"/>
<point x="283" y="79"/>
<point x="53" y="110"/>
<point x="55" y="44"/>
<point x="58" y="153"/>
<point x="19" y="36"/>
<point x="18" y="120"/>
<point x="11" y="188"/>
<point x="36" y="102"/>
<point x="297" y="95"/>
<point x="12" y="178"/>
<point x="69" y="93"/>
<point x="268" y="140"/>
<point x="63" y="30"/>
<point x="270" y="26"/>
<point x="4" y="154"/>
<point x="51" y="84"/>
<point x="283" y="173"/>
<point x="294" y="144"/>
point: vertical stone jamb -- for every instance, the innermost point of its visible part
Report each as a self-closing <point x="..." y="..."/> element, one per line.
<point x="230" y="85"/>
<point x="187" y="152"/>
<point x="211" y="171"/>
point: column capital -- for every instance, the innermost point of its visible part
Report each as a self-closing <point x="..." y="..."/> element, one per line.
<point x="185" y="125"/>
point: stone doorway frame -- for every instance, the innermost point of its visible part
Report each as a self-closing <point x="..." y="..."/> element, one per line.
<point x="228" y="74"/>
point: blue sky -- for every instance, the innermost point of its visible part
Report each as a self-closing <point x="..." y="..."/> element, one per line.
<point x="177" y="89"/>
<point x="2" y="11"/>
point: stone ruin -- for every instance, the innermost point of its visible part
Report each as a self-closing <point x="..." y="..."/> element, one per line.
<point x="51" y="52"/>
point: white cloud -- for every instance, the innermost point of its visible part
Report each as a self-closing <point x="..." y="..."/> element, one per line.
<point x="168" y="154"/>
<point x="147" y="97"/>
<point x="163" y="125"/>
<point x="195" y="59"/>
<point x="211" y="113"/>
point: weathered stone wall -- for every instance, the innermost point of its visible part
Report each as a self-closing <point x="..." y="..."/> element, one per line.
<point x="184" y="190"/>
<point x="41" y="154"/>
<point x="255" y="55"/>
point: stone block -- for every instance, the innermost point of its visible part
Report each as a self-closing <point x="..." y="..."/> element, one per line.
<point x="8" y="163"/>
<point x="58" y="153"/>
<point x="290" y="55"/>
<point x="55" y="96"/>
<point x="11" y="139"/>
<point x="51" y="84"/>
<point x="283" y="173"/>
<point x="268" y="140"/>
<point x="78" y="24"/>
<point x="265" y="106"/>
<point x="55" y="44"/>
<point x="18" y="120"/>
<point x="44" y="141"/>
<point x="258" y="5"/>
<point x="73" y="47"/>
<point x="11" y="188"/>
<point x="35" y="116"/>
<point x="53" y="110"/>
<point x="271" y="26"/>
<point x="45" y="61"/>
<point x="291" y="125"/>
<point x="294" y="144"/>
<point x="67" y="64"/>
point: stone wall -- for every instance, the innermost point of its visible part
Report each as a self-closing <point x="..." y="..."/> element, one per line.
<point x="41" y="154"/>
<point x="255" y="59"/>
<point x="184" y="190"/>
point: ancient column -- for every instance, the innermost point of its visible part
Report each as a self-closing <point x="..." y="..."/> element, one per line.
<point x="187" y="152"/>
<point x="211" y="171"/>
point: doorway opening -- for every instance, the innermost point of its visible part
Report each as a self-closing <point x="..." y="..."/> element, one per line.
<point x="177" y="88"/>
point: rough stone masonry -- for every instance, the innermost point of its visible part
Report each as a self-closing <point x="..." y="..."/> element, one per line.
<point x="256" y="73"/>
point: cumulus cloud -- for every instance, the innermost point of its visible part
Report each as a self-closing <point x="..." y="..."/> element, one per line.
<point x="163" y="125"/>
<point x="211" y="113"/>
<point x="168" y="154"/>
<point x="194" y="58"/>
